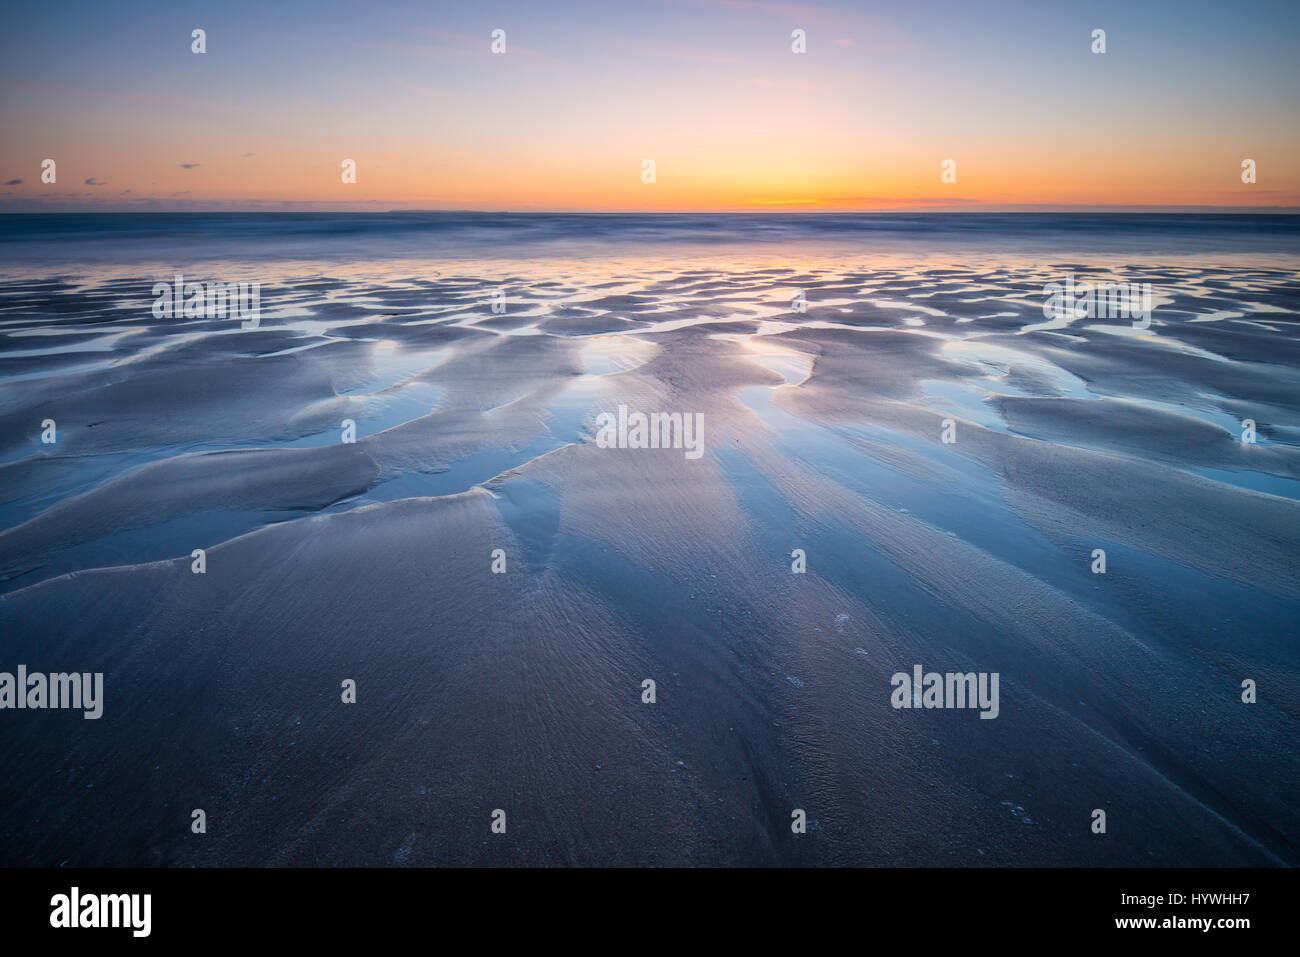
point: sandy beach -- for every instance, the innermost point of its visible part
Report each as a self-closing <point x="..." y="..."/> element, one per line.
<point x="475" y="430"/>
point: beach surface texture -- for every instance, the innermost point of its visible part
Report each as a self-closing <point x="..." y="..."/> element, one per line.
<point x="888" y="406"/>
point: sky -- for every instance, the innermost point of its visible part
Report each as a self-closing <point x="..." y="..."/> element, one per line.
<point x="710" y="90"/>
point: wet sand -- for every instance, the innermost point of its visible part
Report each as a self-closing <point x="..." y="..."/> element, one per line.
<point x="476" y="431"/>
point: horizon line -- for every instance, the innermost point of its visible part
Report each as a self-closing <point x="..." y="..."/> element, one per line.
<point x="1024" y="208"/>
